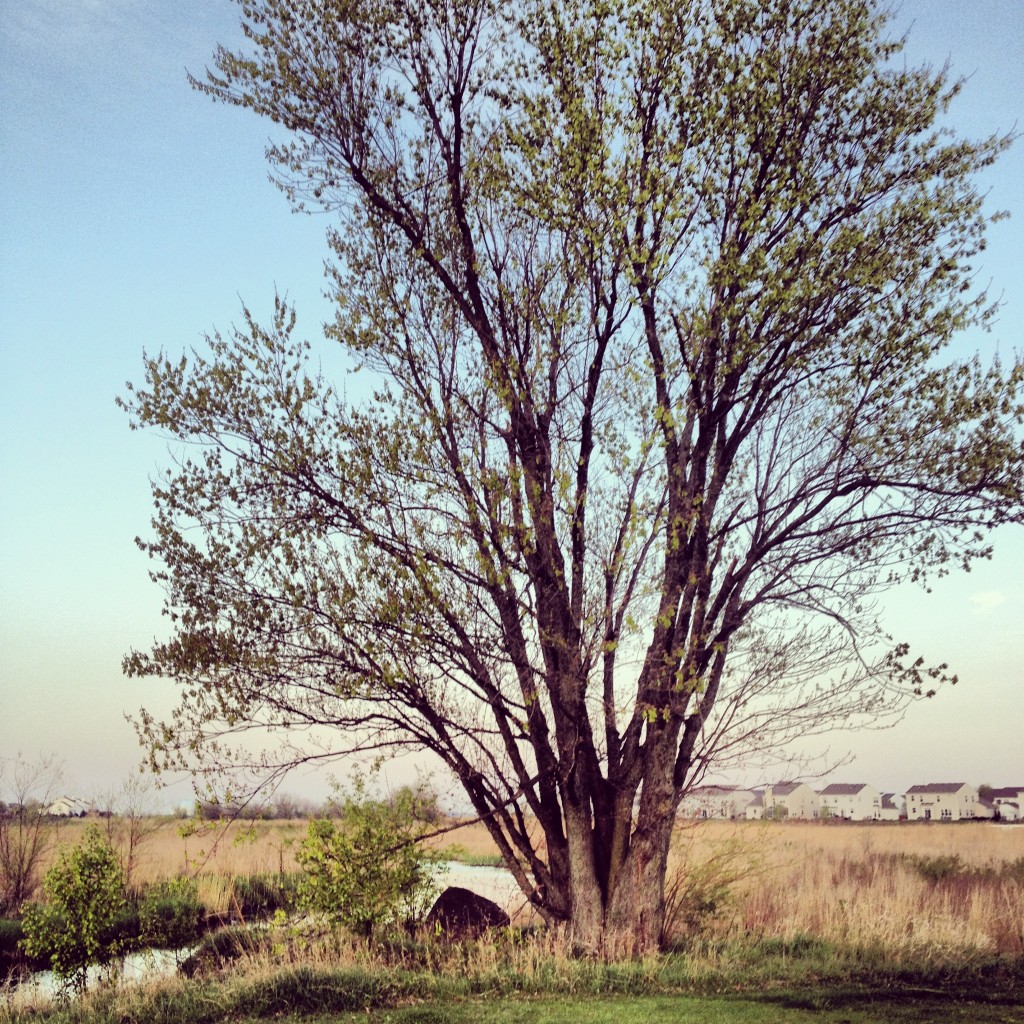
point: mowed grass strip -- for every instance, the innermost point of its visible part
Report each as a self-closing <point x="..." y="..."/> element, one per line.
<point x="792" y="1009"/>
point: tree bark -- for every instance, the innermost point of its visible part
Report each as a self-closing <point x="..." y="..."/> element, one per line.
<point x="636" y="904"/>
<point x="586" y="924"/>
<point x="636" y="911"/>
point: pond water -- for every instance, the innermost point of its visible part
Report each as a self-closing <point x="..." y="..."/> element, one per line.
<point x="143" y="965"/>
<point x="495" y="883"/>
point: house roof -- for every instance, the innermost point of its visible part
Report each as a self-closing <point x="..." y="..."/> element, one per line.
<point x="889" y="801"/>
<point x="1007" y="792"/>
<point x="66" y="805"/>
<point x="938" y="787"/>
<point x="843" y="789"/>
<point x="785" y="788"/>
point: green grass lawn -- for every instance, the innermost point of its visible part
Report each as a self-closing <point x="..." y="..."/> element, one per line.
<point x="851" y="1009"/>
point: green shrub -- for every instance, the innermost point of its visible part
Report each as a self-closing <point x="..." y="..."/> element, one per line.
<point x="169" y="914"/>
<point x="78" y="925"/>
<point x="940" y="867"/>
<point x="259" y="896"/>
<point x="365" y="869"/>
<point x="1013" y="870"/>
<point x="123" y="928"/>
<point x="11" y="933"/>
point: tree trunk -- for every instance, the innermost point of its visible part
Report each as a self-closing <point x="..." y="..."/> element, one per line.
<point x="623" y="911"/>
<point x="586" y="922"/>
<point x="636" y="908"/>
<point x="636" y="902"/>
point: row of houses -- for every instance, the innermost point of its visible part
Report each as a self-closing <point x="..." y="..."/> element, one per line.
<point x="63" y="807"/>
<point x="852" y="801"/>
<point x="855" y="801"/>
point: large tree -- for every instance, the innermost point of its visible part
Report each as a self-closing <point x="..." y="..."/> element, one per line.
<point x="656" y="299"/>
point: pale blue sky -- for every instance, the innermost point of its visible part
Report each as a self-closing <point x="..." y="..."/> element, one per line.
<point x="135" y="213"/>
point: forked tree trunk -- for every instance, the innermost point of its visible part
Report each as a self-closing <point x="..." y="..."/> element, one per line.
<point x="621" y="909"/>
<point x="628" y="917"/>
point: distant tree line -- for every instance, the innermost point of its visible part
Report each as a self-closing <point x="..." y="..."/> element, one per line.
<point x="289" y="807"/>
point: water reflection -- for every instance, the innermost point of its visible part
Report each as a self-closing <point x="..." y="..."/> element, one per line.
<point x="42" y="986"/>
<point x="495" y="883"/>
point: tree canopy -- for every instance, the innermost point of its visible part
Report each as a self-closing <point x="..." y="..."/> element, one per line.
<point x="656" y="301"/>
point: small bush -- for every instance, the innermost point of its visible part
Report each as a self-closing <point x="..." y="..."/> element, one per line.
<point x="78" y="925"/>
<point x="1013" y="870"/>
<point x="939" y="868"/>
<point x="11" y="933"/>
<point x="11" y="956"/>
<point x="698" y="891"/>
<point x="366" y="869"/>
<point x="123" y="929"/>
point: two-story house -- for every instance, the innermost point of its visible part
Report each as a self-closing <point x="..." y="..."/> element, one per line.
<point x="790" y="800"/>
<point x="855" y="801"/>
<point x="941" y="801"/>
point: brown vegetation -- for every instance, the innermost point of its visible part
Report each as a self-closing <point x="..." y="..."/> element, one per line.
<point x="901" y="887"/>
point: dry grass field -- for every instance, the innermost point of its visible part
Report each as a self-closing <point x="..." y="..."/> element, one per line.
<point x="902" y="887"/>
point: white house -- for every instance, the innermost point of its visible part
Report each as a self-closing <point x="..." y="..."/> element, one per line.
<point x="68" y="807"/>
<point x="1008" y="803"/>
<point x="755" y="809"/>
<point x="716" y="802"/>
<point x="891" y="810"/>
<point x="855" y="801"/>
<point x="941" y="801"/>
<point x="790" y="800"/>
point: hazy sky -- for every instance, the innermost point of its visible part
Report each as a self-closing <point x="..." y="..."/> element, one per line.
<point x="134" y="213"/>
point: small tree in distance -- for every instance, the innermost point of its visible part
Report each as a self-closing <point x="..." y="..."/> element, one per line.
<point x="26" y="832"/>
<point x="656" y="300"/>
<point x="128" y="824"/>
